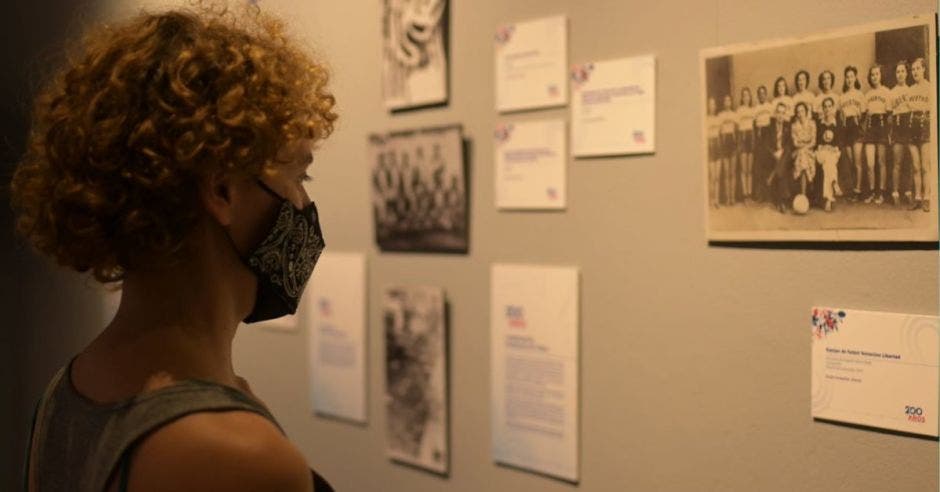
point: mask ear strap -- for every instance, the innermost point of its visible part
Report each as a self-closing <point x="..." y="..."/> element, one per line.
<point x="268" y="189"/>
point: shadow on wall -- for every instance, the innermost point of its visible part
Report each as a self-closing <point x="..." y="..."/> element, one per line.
<point x="47" y="314"/>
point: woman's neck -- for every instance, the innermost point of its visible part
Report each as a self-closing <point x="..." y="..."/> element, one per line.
<point x="180" y="319"/>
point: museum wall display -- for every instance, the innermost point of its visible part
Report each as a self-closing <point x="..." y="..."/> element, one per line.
<point x="464" y="207"/>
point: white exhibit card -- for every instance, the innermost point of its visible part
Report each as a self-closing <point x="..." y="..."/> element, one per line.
<point x="531" y="64"/>
<point x="336" y="309"/>
<point x="876" y="369"/>
<point x="613" y="107"/>
<point x="530" y="164"/>
<point x="534" y="356"/>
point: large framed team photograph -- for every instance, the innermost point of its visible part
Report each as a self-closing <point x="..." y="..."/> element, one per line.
<point x="829" y="137"/>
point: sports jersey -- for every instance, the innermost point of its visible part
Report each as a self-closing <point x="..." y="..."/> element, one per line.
<point x="918" y="96"/>
<point x="876" y="100"/>
<point x="712" y="124"/>
<point x="852" y="102"/>
<point x="806" y="97"/>
<point x="822" y="96"/>
<point x="728" y="121"/>
<point x="762" y="114"/>
<point x="787" y="101"/>
<point x="897" y="100"/>
<point x="746" y="117"/>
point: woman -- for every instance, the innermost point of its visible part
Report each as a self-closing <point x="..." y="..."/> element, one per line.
<point x="746" y="113"/>
<point x="728" y="138"/>
<point x="851" y="106"/>
<point x="782" y="96"/>
<point x="876" y="134"/>
<point x="827" y="153"/>
<point x="803" y="94"/>
<point x="919" y="98"/>
<point x="900" y="127"/>
<point x="713" y="128"/>
<point x="803" y="133"/>
<point x="763" y="113"/>
<point x="171" y="157"/>
<point x="826" y="82"/>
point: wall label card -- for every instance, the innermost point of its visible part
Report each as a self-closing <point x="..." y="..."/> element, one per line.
<point x="534" y="355"/>
<point x="337" y="337"/>
<point x="531" y="61"/>
<point x="613" y="107"/>
<point x="416" y="405"/>
<point x="530" y="165"/>
<point x="876" y="369"/>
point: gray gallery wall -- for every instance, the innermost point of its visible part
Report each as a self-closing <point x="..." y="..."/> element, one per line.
<point x="694" y="360"/>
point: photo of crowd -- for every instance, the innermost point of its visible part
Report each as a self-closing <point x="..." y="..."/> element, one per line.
<point x="832" y="134"/>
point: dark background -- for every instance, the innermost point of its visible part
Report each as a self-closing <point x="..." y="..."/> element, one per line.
<point x="34" y="340"/>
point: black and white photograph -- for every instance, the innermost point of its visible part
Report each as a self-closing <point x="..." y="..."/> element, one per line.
<point x="415" y="53"/>
<point x="830" y="137"/>
<point x="416" y="376"/>
<point x="419" y="197"/>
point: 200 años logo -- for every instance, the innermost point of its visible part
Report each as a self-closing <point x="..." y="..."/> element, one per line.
<point x="914" y="414"/>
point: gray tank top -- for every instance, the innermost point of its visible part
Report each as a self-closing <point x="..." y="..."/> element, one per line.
<point x="79" y="443"/>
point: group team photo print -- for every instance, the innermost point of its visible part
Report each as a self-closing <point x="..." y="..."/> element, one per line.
<point x="825" y="138"/>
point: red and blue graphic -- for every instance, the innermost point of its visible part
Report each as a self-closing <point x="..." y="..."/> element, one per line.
<point x="503" y="132"/>
<point x="581" y="73"/>
<point x="515" y="316"/>
<point x="552" y="193"/>
<point x="639" y="137"/>
<point x="826" y="321"/>
<point x="504" y="34"/>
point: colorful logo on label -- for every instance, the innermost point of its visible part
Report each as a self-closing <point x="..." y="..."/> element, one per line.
<point x="581" y="73"/>
<point x="503" y="132"/>
<point x="639" y="137"/>
<point x="826" y="321"/>
<point x="915" y="414"/>
<point x="552" y="193"/>
<point x="515" y="316"/>
<point x="323" y="304"/>
<point x="504" y="34"/>
<point x="553" y="90"/>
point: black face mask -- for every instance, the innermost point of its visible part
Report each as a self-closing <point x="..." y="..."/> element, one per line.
<point x="284" y="260"/>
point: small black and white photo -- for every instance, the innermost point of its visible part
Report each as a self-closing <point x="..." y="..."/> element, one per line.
<point x="415" y="53"/>
<point x="419" y="197"/>
<point x="830" y="137"/>
<point x="415" y="324"/>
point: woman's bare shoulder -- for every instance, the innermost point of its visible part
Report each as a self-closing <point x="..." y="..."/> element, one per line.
<point x="231" y="450"/>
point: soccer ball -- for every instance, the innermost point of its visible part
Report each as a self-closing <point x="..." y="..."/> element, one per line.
<point x="800" y="204"/>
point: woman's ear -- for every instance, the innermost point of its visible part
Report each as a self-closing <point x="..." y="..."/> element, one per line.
<point x="217" y="192"/>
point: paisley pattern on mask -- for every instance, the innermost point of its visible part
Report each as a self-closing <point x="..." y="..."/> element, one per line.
<point x="288" y="254"/>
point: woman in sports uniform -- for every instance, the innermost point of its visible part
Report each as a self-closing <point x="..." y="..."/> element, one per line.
<point x="782" y="96"/>
<point x="826" y="81"/>
<point x="851" y="105"/>
<point x="876" y="133"/>
<point x="714" y="161"/>
<point x="803" y="94"/>
<point x="763" y="112"/>
<point x="746" y="112"/>
<point x="919" y="99"/>
<point x="727" y="137"/>
<point x="900" y="127"/>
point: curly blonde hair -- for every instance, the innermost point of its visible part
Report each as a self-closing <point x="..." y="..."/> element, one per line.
<point x="122" y="134"/>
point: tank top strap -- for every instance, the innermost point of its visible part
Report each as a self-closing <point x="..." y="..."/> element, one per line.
<point x="82" y="441"/>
